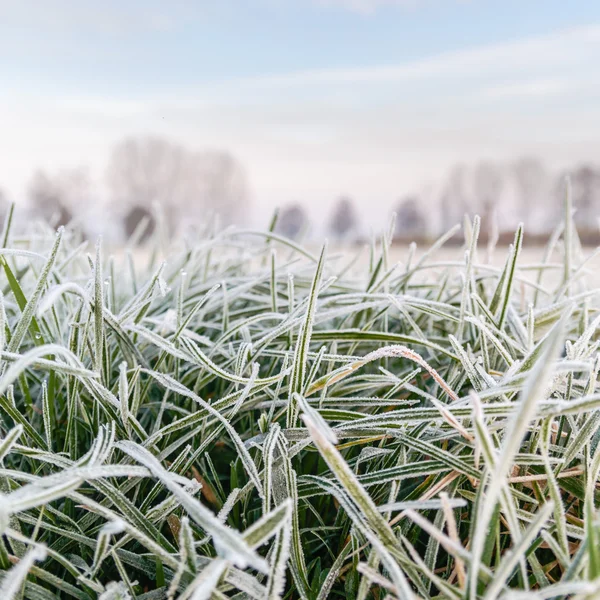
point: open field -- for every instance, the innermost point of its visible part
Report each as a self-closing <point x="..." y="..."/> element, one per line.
<point x="258" y="420"/>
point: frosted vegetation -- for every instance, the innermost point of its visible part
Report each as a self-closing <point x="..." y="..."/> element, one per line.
<point x="253" y="421"/>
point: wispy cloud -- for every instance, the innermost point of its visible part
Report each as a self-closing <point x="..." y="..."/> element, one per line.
<point x="67" y="16"/>
<point x="366" y="6"/>
<point x="558" y="50"/>
<point x="371" y="6"/>
<point x="524" y="88"/>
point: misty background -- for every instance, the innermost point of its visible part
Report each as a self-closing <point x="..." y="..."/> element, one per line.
<point x="337" y="112"/>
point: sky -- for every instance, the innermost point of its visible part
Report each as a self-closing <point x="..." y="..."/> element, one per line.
<point x="317" y="98"/>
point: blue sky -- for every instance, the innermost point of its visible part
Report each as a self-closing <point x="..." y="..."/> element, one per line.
<point x="317" y="97"/>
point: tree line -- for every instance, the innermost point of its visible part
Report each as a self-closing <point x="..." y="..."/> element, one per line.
<point x="503" y="194"/>
<point x="190" y="185"/>
<point x="144" y="173"/>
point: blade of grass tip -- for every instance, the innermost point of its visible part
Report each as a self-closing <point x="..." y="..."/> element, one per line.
<point x="28" y="313"/>
<point x="203" y="587"/>
<point x="533" y="391"/>
<point x="316" y="418"/>
<point x="102" y="545"/>
<point x="186" y="545"/>
<point x="15" y="578"/>
<point x="518" y="244"/>
<point x="303" y="344"/>
<point x="274" y="282"/>
<point x="269" y="447"/>
<point x="273" y="222"/>
<point x="466" y="292"/>
<point x="137" y="303"/>
<point x="269" y="525"/>
<point x="33" y="494"/>
<point x="47" y="416"/>
<point x="7" y="225"/>
<point x="9" y="441"/>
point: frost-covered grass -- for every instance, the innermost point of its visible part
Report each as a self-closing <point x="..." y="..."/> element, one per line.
<point x="252" y="421"/>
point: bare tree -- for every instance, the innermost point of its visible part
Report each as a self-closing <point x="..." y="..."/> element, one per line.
<point x="144" y="171"/>
<point x="59" y="198"/>
<point x="46" y="201"/>
<point x="455" y="200"/>
<point x="224" y="184"/>
<point x="148" y="170"/>
<point x="585" y="185"/>
<point x="292" y="220"/>
<point x="410" y="221"/>
<point x="344" y="221"/>
<point x="530" y="175"/>
<point x="488" y="185"/>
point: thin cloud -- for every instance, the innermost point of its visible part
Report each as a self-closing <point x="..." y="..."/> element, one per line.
<point x="372" y="6"/>
<point x="535" y="87"/>
<point x="558" y="50"/>
<point x="67" y="16"/>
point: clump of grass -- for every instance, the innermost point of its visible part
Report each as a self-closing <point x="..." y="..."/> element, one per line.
<point x="250" y="420"/>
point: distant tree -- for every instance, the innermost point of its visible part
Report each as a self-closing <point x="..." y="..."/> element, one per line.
<point x="54" y="198"/>
<point x="455" y="198"/>
<point x="147" y="170"/>
<point x="488" y="185"/>
<point x="585" y="186"/>
<point x="224" y="185"/>
<point x="135" y="217"/>
<point x="489" y="182"/>
<point x="530" y="176"/>
<point x="410" y="220"/>
<point x="344" y="220"/>
<point x="292" y="219"/>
